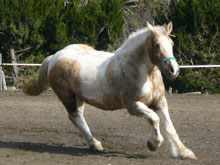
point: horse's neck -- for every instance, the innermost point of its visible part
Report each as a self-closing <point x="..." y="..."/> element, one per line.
<point x="132" y="48"/>
<point x="134" y="53"/>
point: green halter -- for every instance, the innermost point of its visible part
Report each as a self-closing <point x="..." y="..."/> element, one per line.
<point x="167" y="59"/>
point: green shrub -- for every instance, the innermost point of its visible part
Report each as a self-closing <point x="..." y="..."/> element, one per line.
<point x="196" y="27"/>
<point x="36" y="29"/>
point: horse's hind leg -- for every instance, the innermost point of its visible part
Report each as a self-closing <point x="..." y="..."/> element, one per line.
<point x="75" y="110"/>
<point x="77" y="117"/>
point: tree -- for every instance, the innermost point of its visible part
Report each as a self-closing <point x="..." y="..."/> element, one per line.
<point x="137" y="12"/>
<point x="30" y="30"/>
<point x="97" y="23"/>
<point x="19" y="25"/>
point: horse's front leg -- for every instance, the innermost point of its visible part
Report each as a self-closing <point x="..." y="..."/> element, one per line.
<point x="140" y="109"/>
<point x="177" y="147"/>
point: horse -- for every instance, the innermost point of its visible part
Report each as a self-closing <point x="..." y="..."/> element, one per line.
<point x="130" y="78"/>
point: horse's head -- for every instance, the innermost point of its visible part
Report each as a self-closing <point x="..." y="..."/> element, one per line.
<point x="162" y="50"/>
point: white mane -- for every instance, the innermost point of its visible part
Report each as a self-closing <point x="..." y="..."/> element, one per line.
<point x="134" y="39"/>
<point x="140" y="35"/>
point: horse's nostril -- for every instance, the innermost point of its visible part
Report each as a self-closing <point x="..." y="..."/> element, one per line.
<point x="171" y="70"/>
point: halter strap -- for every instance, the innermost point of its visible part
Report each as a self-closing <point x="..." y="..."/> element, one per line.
<point x="167" y="59"/>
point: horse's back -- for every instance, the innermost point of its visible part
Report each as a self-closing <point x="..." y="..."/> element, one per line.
<point x="81" y="53"/>
<point x="85" y="57"/>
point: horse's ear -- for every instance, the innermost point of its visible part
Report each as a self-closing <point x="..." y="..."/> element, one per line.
<point x="169" y="27"/>
<point x="150" y="27"/>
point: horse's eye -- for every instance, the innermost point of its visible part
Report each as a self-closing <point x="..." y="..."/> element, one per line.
<point x="157" y="45"/>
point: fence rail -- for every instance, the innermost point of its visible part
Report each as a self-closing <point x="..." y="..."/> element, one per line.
<point x="18" y="64"/>
<point x="199" y="66"/>
<point x="3" y="82"/>
<point x="181" y="66"/>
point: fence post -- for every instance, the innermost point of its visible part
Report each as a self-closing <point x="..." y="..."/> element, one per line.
<point x="1" y="71"/>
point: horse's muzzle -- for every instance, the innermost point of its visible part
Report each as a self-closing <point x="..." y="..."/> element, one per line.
<point x="171" y="69"/>
<point x="173" y="73"/>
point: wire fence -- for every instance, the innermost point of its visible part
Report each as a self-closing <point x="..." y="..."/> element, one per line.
<point x="3" y="82"/>
<point x="181" y="66"/>
<point x="199" y="66"/>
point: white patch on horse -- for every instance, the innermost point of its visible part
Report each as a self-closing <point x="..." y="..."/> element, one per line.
<point x="167" y="46"/>
<point x="147" y="85"/>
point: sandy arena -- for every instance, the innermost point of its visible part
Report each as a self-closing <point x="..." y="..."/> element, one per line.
<point x="36" y="130"/>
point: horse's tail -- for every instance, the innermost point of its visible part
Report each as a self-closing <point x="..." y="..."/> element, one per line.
<point x="39" y="83"/>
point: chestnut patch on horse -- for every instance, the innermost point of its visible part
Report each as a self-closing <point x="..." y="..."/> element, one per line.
<point x="86" y="47"/>
<point x="111" y="101"/>
<point x="67" y="71"/>
<point x="109" y="70"/>
<point x="64" y="79"/>
<point x="156" y="51"/>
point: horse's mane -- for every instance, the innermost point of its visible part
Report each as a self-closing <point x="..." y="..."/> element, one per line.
<point x="135" y="39"/>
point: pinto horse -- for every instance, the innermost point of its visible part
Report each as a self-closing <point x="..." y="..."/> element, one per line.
<point x="128" y="78"/>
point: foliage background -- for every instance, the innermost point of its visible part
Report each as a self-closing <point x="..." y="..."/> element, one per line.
<point x="35" y="29"/>
<point x="196" y="27"/>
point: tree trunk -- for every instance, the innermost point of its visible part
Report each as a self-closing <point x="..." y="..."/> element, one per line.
<point x="4" y="85"/>
<point x="15" y="68"/>
<point x="1" y="75"/>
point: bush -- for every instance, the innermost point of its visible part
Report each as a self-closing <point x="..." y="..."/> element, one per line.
<point x="36" y="29"/>
<point x="196" y="27"/>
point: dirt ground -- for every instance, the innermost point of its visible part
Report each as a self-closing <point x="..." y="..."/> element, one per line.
<point x="36" y="130"/>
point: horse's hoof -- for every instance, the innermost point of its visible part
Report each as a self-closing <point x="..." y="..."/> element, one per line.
<point x="150" y="146"/>
<point x="186" y="154"/>
<point x="96" y="145"/>
<point x="192" y="157"/>
<point x="184" y="157"/>
<point x="98" y="148"/>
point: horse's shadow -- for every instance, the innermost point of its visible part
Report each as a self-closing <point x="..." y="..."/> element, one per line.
<point x="60" y="149"/>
